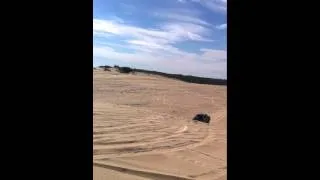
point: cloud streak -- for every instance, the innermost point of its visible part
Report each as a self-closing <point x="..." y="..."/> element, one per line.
<point x="181" y="18"/>
<point x="214" y="5"/>
<point x="168" y="33"/>
<point x="222" y="26"/>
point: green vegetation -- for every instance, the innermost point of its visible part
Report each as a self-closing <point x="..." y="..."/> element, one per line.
<point x="105" y="66"/>
<point x="125" y="70"/>
<point x="185" y="78"/>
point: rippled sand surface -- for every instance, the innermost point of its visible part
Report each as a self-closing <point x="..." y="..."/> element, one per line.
<point x="143" y="128"/>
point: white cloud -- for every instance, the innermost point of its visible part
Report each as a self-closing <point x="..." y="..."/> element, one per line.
<point x="214" y="5"/>
<point x="145" y="43"/>
<point x="117" y="19"/>
<point x="156" y="47"/>
<point x="101" y="34"/>
<point x="221" y="26"/>
<point x="181" y="18"/>
<point x="196" y="37"/>
<point x="192" y="12"/>
<point x="100" y="26"/>
<point x="168" y="33"/>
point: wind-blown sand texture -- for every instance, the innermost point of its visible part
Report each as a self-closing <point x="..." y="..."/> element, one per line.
<point x="143" y="128"/>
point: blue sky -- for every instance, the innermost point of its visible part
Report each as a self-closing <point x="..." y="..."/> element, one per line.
<point x="173" y="36"/>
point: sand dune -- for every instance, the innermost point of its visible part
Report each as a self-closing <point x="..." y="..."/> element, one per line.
<point x="143" y="128"/>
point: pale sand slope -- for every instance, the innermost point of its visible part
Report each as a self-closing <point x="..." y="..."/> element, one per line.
<point x="143" y="128"/>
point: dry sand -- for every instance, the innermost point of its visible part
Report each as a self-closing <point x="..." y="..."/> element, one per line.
<point x="143" y="128"/>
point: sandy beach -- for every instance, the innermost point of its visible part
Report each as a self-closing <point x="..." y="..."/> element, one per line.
<point x="143" y="128"/>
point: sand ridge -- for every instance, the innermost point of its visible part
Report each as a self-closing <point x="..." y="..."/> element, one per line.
<point x="143" y="127"/>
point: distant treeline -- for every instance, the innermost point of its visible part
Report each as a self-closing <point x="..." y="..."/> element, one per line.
<point x="185" y="78"/>
<point x="105" y="67"/>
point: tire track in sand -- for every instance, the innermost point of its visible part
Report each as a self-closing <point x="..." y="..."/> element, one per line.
<point x="142" y="173"/>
